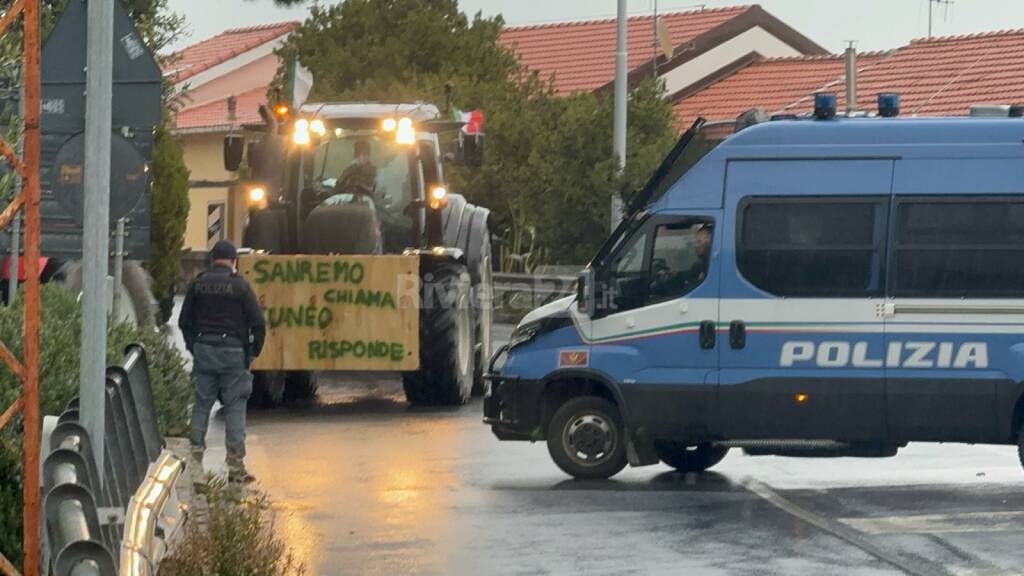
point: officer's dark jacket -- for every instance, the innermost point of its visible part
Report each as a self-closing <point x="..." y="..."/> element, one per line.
<point x="219" y="301"/>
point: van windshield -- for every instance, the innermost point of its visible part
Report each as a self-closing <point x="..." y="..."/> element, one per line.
<point x="696" y="146"/>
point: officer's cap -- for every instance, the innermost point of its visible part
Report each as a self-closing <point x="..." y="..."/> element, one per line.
<point x="223" y="250"/>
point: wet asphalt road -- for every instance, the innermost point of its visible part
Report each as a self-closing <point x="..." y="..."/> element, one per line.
<point x="364" y="484"/>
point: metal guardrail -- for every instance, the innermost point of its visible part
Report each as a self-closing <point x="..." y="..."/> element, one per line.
<point x="517" y="294"/>
<point x="85" y="518"/>
<point x="153" y="511"/>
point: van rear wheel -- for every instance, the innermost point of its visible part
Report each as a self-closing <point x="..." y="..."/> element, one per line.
<point x="689" y="458"/>
<point x="586" y="438"/>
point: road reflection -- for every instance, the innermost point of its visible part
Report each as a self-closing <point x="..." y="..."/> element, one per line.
<point x="361" y="477"/>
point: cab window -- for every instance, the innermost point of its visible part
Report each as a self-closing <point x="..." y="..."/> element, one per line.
<point x="662" y="261"/>
<point x="680" y="260"/>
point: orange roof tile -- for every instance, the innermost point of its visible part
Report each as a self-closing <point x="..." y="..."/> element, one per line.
<point x="215" y="114"/>
<point x="581" y="55"/>
<point x="937" y="76"/>
<point x="204" y="55"/>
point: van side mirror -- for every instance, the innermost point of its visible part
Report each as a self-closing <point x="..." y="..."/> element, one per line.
<point x="234" y="147"/>
<point x="472" y="149"/>
<point x="586" y="293"/>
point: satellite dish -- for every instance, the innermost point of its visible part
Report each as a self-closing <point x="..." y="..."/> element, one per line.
<point x="665" y="39"/>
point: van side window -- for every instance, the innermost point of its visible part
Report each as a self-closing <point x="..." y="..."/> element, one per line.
<point x="680" y="259"/>
<point x="959" y="248"/>
<point x="812" y="247"/>
<point x="661" y="262"/>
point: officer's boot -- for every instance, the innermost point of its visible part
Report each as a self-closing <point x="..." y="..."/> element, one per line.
<point x="237" y="474"/>
<point x="195" y="464"/>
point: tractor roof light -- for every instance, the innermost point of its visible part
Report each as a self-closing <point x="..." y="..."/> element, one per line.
<point x="389" y="125"/>
<point x="300" y="135"/>
<point x="406" y="134"/>
<point x="317" y="127"/>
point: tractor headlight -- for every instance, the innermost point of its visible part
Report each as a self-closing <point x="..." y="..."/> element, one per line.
<point x="438" y="197"/>
<point x="389" y="125"/>
<point x="317" y="127"/>
<point x="257" y="194"/>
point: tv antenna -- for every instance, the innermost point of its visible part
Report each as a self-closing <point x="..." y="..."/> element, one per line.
<point x="931" y="8"/>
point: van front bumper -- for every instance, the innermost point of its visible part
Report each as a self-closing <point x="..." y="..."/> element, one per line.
<point x="512" y="408"/>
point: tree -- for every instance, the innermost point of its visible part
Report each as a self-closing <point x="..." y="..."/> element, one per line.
<point x="548" y="157"/>
<point x="169" y="216"/>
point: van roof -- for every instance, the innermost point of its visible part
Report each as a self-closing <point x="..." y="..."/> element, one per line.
<point x="879" y="131"/>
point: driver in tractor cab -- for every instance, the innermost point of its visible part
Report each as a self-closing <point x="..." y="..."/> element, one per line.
<point x="347" y="221"/>
<point x="360" y="177"/>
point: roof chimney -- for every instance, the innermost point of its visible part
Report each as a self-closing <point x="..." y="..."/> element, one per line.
<point x="851" y="78"/>
<point x="232" y="108"/>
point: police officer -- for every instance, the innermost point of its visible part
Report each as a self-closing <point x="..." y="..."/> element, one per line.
<point x="223" y="328"/>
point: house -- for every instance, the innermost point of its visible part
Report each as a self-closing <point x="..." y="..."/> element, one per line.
<point x="706" y="44"/>
<point x="933" y="76"/>
<point x="224" y="80"/>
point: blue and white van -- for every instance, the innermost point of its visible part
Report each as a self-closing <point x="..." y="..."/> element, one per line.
<point x="840" y="286"/>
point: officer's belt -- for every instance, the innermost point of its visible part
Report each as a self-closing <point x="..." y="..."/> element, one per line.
<point x="219" y="339"/>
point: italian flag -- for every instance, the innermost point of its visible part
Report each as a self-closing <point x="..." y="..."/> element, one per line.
<point x="474" y="120"/>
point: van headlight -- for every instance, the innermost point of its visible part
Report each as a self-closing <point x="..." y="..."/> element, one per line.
<point x="523" y="334"/>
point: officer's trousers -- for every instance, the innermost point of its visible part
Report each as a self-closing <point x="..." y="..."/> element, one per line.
<point x="220" y="373"/>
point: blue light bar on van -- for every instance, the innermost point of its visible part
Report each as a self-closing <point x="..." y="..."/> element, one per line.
<point x="888" y="104"/>
<point x="824" y="105"/>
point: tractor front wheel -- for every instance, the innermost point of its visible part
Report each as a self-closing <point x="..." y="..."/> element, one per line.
<point x="447" y="353"/>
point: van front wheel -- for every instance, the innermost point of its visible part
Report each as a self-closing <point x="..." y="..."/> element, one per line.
<point x="586" y="438"/>
<point x="689" y="458"/>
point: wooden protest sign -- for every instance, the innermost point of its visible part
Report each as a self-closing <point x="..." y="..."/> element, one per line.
<point x="337" y="312"/>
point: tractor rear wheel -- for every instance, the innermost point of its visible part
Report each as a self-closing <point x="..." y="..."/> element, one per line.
<point x="138" y="306"/>
<point x="445" y="377"/>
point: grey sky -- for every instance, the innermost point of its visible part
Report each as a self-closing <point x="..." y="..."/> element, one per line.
<point x="875" y="24"/>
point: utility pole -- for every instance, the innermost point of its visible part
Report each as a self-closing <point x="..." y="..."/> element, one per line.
<point x="96" y="230"/>
<point x="619" y="124"/>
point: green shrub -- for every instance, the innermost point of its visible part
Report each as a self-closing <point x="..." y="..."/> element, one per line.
<point x="238" y="539"/>
<point x="60" y="335"/>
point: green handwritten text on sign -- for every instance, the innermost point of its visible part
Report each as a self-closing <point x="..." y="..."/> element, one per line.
<point x="337" y="312"/>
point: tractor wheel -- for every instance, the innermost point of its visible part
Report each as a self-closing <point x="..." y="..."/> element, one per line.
<point x="268" y="388"/>
<point x="300" y="386"/>
<point x="483" y="300"/>
<point x="137" y="303"/>
<point x="445" y="377"/>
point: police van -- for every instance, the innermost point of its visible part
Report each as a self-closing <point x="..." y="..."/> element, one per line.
<point x="808" y="287"/>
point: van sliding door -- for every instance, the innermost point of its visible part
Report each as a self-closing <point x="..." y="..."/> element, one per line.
<point x="801" y="335"/>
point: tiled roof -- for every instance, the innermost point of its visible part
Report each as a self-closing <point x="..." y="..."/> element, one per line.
<point x="937" y="76"/>
<point x="215" y="114"/>
<point x="204" y="55"/>
<point x="581" y="55"/>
